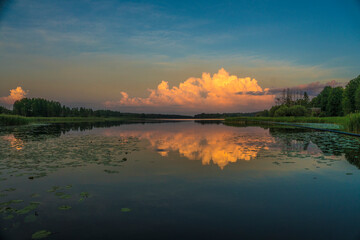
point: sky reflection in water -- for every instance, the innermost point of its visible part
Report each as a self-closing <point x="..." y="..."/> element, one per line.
<point x="195" y="180"/>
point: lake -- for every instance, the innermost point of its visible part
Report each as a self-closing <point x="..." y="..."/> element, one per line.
<point x="178" y="180"/>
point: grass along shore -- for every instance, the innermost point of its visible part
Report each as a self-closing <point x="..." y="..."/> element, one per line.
<point x="10" y="120"/>
<point x="349" y="123"/>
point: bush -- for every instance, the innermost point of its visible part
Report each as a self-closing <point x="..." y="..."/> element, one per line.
<point x="282" y="111"/>
<point x="273" y="110"/>
<point x="296" y="111"/>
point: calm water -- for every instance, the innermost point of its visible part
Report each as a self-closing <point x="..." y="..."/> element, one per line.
<point x="178" y="180"/>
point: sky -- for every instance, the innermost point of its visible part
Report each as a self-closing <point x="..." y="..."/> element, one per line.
<point x="175" y="56"/>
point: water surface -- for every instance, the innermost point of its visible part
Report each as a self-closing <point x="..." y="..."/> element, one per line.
<point x="178" y="180"/>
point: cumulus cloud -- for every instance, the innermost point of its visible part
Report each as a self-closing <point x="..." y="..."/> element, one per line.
<point x="15" y="94"/>
<point x="217" y="93"/>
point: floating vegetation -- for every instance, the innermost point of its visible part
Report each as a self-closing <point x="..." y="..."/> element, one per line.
<point x="125" y="209"/>
<point x="64" y="207"/>
<point x="53" y="189"/>
<point x="34" y="195"/>
<point x="65" y="196"/>
<point x="110" y="171"/>
<point x="27" y="209"/>
<point x="9" y="190"/>
<point x="10" y="202"/>
<point x="39" y="158"/>
<point x="41" y="234"/>
<point x="83" y="195"/>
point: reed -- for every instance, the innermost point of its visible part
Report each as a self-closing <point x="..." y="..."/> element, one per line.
<point x="352" y="123"/>
<point x="10" y="120"/>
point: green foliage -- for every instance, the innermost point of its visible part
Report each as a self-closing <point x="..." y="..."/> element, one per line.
<point x="330" y="101"/>
<point x="264" y="113"/>
<point x="8" y="120"/>
<point x="38" y="107"/>
<point x="282" y="111"/>
<point x="41" y="234"/>
<point x="5" y="110"/>
<point x="357" y="98"/>
<point x="296" y="111"/>
<point x="352" y="123"/>
<point x="349" y="104"/>
<point x="273" y="110"/>
<point x="335" y="98"/>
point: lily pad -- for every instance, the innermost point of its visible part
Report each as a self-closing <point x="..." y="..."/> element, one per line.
<point x="65" y="196"/>
<point x="41" y="234"/>
<point x="9" y="190"/>
<point x="84" y="195"/>
<point x="53" y="189"/>
<point x="110" y="171"/>
<point x="28" y="208"/>
<point x="64" y="207"/>
<point x="125" y="209"/>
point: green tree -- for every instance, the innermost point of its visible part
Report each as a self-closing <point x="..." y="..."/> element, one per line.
<point x="357" y="98"/>
<point x="334" y="107"/>
<point x="349" y="104"/>
<point x="306" y="99"/>
<point x="324" y="97"/>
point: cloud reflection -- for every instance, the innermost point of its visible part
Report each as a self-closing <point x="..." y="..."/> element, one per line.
<point x="221" y="145"/>
<point x="15" y="143"/>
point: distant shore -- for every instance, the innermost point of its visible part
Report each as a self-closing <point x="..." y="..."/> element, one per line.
<point x="11" y="120"/>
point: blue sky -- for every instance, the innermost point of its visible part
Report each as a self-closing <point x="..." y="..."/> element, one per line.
<point x="55" y="48"/>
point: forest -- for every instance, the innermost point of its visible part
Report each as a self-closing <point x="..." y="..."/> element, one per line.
<point x="330" y="102"/>
<point x="39" y="107"/>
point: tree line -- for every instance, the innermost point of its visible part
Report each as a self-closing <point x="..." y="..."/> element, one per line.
<point x="331" y="101"/>
<point x="39" y="107"/>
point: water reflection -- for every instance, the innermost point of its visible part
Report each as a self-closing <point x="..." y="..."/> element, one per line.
<point x="208" y="142"/>
<point x="220" y="145"/>
<point x="15" y="143"/>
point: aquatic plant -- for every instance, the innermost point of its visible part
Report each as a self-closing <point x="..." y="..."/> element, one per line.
<point x="41" y="234"/>
<point x="352" y="123"/>
<point x="9" y="120"/>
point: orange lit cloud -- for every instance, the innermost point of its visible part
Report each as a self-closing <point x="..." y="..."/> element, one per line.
<point x="15" y="94"/>
<point x="217" y="93"/>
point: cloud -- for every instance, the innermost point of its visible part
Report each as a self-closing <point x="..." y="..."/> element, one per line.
<point x="312" y="89"/>
<point x="15" y="94"/>
<point x="217" y="93"/>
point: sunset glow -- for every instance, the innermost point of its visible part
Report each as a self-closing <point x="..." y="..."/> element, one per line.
<point x="219" y="146"/>
<point x="15" y="94"/>
<point x="219" y="92"/>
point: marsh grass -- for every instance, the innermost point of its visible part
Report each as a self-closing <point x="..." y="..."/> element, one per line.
<point x="349" y="123"/>
<point x="352" y="123"/>
<point x="335" y="120"/>
<point x="11" y="120"/>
